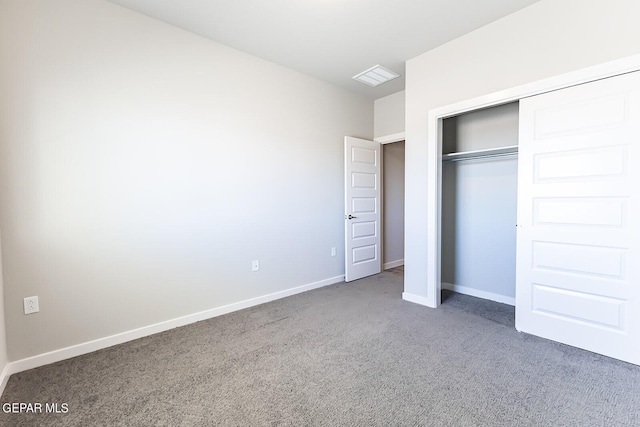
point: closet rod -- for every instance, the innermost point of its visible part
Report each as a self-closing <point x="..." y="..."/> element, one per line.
<point x="479" y="157"/>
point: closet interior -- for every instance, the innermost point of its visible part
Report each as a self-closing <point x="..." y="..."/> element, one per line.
<point x="479" y="200"/>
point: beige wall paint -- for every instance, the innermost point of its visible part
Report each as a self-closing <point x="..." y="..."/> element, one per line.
<point x="144" y="167"/>
<point x="388" y="115"/>
<point x="546" y="39"/>
<point x="3" y="338"/>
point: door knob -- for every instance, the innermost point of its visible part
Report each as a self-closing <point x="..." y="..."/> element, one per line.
<point x="351" y="217"/>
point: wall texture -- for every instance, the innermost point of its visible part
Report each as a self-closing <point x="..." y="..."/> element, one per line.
<point x="389" y="115"/>
<point x="393" y="209"/>
<point x="3" y="338"/>
<point x="143" y="168"/>
<point x="546" y="39"/>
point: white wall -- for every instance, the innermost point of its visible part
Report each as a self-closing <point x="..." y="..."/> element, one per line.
<point x="548" y="38"/>
<point x="389" y="115"/>
<point x="144" y="167"/>
<point x="393" y="204"/>
<point x="479" y="201"/>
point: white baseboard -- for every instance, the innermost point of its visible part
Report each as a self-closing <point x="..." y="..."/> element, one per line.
<point x="480" y="294"/>
<point x="392" y="264"/>
<point x="100" y="343"/>
<point x="417" y="299"/>
<point x="4" y="378"/>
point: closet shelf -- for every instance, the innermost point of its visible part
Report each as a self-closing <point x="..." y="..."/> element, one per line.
<point x="511" y="150"/>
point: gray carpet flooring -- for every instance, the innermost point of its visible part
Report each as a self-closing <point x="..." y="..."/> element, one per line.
<point x="352" y="354"/>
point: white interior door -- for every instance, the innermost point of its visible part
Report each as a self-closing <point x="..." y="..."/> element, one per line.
<point x="362" y="208"/>
<point x="578" y="261"/>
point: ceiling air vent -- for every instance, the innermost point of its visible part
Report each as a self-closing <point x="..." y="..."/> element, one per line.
<point x="375" y="76"/>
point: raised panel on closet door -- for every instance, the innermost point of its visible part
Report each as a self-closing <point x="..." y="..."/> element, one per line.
<point x="578" y="260"/>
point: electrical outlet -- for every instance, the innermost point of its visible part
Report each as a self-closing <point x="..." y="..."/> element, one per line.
<point x="31" y="305"/>
<point x="255" y="265"/>
<point x="333" y="251"/>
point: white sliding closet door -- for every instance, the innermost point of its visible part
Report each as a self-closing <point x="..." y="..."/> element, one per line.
<point x="578" y="250"/>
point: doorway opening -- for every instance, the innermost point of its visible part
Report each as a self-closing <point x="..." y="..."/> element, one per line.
<point x="393" y="155"/>
<point x="479" y="203"/>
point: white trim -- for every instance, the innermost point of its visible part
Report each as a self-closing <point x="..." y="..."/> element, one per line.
<point x="4" y="378"/>
<point x="479" y="294"/>
<point x="101" y="343"/>
<point x="387" y="139"/>
<point x="434" y="186"/>
<point x="434" y="145"/>
<point x="392" y="264"/>
<point x="417" y="299"/>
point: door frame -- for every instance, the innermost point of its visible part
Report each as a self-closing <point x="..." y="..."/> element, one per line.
<point x="388" y="139"/>
<point x="434" y="152"/>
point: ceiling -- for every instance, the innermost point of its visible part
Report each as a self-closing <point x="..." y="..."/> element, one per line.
<point x="332" y="40"/>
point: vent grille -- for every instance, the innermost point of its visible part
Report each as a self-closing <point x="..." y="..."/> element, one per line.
<point x="375" y="76"/>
